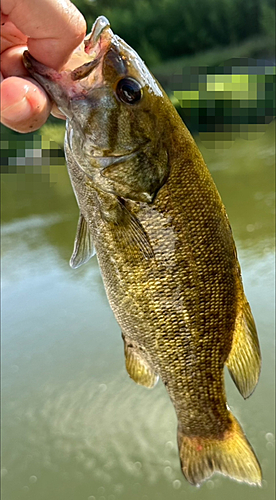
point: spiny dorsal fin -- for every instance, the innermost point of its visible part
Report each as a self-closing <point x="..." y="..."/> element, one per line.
<point x="137" y="367"/>
<point x="244" y="361"/>
<point x="83" y="244"/>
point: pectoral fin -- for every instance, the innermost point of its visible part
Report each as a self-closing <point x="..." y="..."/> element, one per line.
<point x="244" y="361"/>
<point x="132" y="233"/>
<point x="83" y="245"/>
<point x="137" y="367"/>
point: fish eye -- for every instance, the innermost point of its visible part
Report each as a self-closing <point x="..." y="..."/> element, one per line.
<point x="129" y="91"/>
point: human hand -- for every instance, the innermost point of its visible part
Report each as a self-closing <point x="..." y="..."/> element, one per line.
<point x="50" y="30"/>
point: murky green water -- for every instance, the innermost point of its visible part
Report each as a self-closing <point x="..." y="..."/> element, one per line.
<point x="75" y="427"/>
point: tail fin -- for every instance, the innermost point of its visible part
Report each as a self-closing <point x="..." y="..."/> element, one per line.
<point x="232" y="456"/>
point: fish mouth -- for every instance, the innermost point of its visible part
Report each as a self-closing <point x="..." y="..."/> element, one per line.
<point x="43" y="73"/>
<point x="64" y="85"/>
<point x="100" y="37"/>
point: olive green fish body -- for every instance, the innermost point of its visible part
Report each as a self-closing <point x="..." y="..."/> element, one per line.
<point x="150" y="210"/>
<point x="179" y="302"/>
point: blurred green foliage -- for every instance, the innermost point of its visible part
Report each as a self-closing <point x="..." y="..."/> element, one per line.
<point x="174" y="34"/>
<point x="163" y="29"/>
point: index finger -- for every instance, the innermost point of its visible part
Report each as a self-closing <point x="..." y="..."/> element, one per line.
<point x="54" y="27"/>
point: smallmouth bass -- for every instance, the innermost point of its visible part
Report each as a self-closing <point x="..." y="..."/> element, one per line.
<point x="150" y="211"/>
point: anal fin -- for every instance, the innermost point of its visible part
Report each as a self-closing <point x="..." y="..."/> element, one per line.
<point x="244" y="360"/>
<point x="83" y="244"/>
<point x="137" y="367"/>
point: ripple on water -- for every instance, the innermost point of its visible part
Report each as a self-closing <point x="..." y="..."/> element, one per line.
<point x="269" y="437"/>
<point x="177" y="484"/>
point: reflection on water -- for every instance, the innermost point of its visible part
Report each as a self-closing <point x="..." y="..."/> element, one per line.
<point x="75" y="427"/>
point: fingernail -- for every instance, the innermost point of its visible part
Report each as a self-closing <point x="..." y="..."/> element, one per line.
<point x="17" y="112"/>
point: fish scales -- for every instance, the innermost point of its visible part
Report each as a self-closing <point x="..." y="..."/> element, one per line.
<point x="139" y="278"/>
<point x="150" y="209"/>
<point x="151" y="291"/>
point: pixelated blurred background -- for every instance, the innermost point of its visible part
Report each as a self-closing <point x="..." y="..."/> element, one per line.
<point x="75" y="427"/>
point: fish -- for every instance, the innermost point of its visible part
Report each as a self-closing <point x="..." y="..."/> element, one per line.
<point x="150" y="211"/>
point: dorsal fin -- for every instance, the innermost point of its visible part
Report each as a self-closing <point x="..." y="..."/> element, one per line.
<point x="244" y="360"/>
<point x="83" y="244"/>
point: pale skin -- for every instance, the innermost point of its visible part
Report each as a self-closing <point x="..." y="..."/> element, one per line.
<point x="51" y="30"/>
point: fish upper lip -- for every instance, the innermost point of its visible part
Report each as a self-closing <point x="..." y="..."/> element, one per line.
<point x="100" y="26"/>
